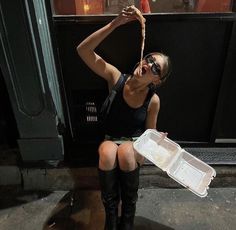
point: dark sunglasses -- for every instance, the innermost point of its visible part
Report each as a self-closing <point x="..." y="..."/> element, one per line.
<point x="155" y="68"/>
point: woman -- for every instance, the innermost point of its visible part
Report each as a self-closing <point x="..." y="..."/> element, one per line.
<point x="134" y="109"/>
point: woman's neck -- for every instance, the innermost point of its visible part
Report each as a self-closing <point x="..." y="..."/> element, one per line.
<point x="135" y="85"/>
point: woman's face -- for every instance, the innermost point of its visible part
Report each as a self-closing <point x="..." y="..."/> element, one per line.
<point x="152" y="68"/>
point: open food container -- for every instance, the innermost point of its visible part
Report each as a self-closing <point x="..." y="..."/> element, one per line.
<point x="180" y="165"/>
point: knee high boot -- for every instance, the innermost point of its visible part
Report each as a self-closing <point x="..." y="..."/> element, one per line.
<point x="110" y="195"/>
<point x="129" y="182"/>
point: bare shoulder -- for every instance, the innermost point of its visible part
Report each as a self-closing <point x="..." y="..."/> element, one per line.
<point x="154" y="102"/>
<point x="155" y="99"/>
<point x="113" y="79"/>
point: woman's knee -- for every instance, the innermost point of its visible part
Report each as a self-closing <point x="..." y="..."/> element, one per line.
<point x="107" y="155"/>
<point x="126" y="157"/>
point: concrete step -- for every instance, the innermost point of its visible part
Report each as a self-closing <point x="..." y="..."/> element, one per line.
<point x="63" y="177"/>
<point x="86" y="178"/>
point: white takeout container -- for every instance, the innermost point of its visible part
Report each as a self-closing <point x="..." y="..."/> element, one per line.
<point x="180" y="165"/>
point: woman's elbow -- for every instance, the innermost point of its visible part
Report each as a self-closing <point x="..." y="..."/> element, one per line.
<point x="79" y="49"/>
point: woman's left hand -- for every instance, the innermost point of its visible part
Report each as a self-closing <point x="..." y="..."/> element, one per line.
<point x="128" y="14"/>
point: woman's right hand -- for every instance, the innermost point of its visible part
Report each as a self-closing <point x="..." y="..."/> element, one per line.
<point x="128" y="14"/>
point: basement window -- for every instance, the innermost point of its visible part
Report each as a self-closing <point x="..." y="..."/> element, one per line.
<point x="106" y="7"/>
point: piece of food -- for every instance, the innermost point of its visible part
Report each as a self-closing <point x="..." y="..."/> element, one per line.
<point x="142" y="21"/>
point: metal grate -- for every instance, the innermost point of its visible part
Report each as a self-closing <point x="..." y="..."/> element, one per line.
<point x="213" y="156"/>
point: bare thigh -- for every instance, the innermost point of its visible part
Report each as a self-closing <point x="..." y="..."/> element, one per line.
<point x="107" y="155"/>
<point x="128" y="157"/>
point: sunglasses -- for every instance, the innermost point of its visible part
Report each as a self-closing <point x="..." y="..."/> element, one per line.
<point x="155" y="67"/>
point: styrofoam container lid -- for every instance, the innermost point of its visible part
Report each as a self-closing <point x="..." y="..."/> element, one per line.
<point x="180" y="165"/>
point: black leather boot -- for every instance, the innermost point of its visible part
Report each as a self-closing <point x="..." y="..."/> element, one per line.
<point x="110" y="196"/>
<point x="129" y="182"/>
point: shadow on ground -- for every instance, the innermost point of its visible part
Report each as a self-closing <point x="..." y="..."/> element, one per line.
<point x="142" y="223"/>
<point x="77" y="210"/>
<point x="83" y="210"/>
<point x="12" y="197"/>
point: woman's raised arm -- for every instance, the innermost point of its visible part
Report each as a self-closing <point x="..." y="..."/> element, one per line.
<point x="86" y="48"/>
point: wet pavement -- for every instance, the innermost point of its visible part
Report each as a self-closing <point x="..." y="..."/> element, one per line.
<point x="157" y="208"/>
<point x="65" y="198"/>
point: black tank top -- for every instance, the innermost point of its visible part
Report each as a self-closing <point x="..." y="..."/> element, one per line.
<point x="124" y="121"/>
